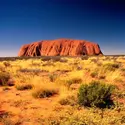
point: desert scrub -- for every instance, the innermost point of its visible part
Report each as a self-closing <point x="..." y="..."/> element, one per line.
<point x="18" y="103"/>
<point x="64" y="60"/>
<point x="6" y="88"/>
<point x="24" y="86"/>
<point x="46" y="58"/>
<point x="34" y="71"/>
<point x="102" y="76"/>
<point x="65" y="120"/>
<point x="45" y="91"/>
<point x="111" y="67"/>
<point x="118" y="80"/>
<point x="8" y="121"/>
<point x="69" y="82"/>
<point x="52" y="77"/>
<point x="95" y="94"/>
<point x="123" y="69"/>
<point x="94" y="74"/>
<point x="94" y="60"/>
<point x="68" y="100"/>
<point x="48" y="63"/>
<point x="4" y="78"/>
<point x="84" y="58"/>
<point x="74" y="81"/>
<point x="6" y="64"/>
<point x="5" y="118"/>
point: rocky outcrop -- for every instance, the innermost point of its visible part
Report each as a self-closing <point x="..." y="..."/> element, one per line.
<point x="60" y="47"/>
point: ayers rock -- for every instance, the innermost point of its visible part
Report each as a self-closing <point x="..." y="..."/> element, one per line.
<point x="60" y="47"/>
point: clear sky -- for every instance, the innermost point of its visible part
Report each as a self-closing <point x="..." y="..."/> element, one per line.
<point x="26" y="21"/>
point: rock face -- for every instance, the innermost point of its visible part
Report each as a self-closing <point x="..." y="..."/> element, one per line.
<point x="60" y="47"/>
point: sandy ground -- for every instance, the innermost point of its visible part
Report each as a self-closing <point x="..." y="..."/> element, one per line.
<point x="23" y="107"/>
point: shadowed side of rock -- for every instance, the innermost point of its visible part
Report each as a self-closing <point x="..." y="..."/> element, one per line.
<point x="60" y="47"/>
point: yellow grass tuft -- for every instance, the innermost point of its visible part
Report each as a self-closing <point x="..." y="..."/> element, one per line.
<point x="45" y="90"/>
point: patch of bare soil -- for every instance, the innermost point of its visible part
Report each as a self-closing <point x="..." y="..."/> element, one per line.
<point x="24" y="107"/>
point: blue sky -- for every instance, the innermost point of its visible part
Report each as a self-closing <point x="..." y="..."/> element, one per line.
<point x="26" y="21"/>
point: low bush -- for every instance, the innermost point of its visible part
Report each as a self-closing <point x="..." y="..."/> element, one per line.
<point x="30" y="70"/>
<point x="94" y="74"/>
<point x="46" y="58"/>
<point x="119" y="80"/>
<point x="56" y="58"/>
<point x="111" y="67"/>
<point x="35" y="65"/>
<point x="84" y="57"/>
<point x="96" y="94"/>
<point x="68" y="100"/>
<point x="6" y="64"/>
<point x="94" y="60"/>
<point x="44" y="92"/>
<point x="75" y="80"/>
<point x="69" y="82"/>
<point x="102" y="77"/>
<point x="123" y="69"/>
<point x="48" y="63"/>
<point x="67" y="118"/>
<point x="79" y="67"/>
<point x="6" y="88"/>
<point x="52" y="77"/>
<point x="63" y="60"/>
<point x="4" y="78"/>
<point x="2" y="68"/>
<point x="24" y="86"/>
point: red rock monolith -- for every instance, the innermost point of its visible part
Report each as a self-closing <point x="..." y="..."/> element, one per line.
<point x="60" y="47"/>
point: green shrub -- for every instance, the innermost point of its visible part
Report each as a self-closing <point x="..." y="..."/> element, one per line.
<point x="96" y="94"/>
<point x="4" y="78"/>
